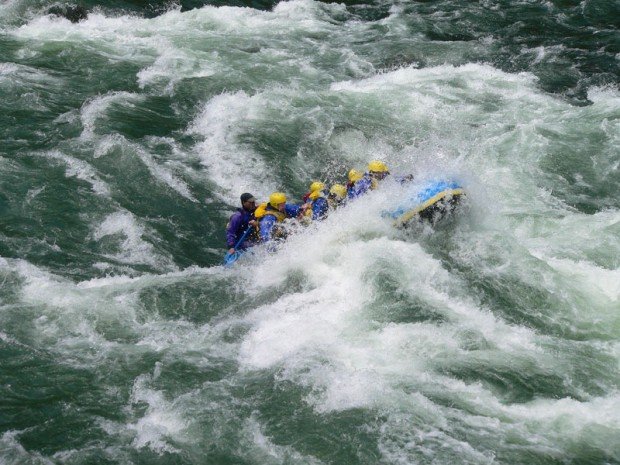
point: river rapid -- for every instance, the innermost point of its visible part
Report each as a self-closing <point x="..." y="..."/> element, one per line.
<point x="126" y="140"/>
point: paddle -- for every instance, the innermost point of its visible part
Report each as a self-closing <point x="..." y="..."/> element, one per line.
<point x="232" y="257"/>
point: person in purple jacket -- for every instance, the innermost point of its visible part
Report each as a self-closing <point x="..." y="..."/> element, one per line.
<point x="239" y="222"/>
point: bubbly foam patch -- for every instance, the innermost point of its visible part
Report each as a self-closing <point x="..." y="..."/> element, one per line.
<point x="605" y="282"/>
<point x="8" y="68"/>
<point x="326" y="325"/>
<point x="88" y="324"/>
<point x="479" y="77"/>
<point x="160" y="422"/>
<point x="133" y="248"/>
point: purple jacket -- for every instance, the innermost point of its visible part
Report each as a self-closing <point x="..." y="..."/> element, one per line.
<point x="237" y="225"/>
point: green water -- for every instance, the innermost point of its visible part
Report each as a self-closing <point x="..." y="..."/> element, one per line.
<point x="127" y="138"/>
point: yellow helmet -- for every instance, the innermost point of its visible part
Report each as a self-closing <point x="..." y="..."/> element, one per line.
<point x="338" y="191"/>
<point x="277" y="198"/>
<point x="317" y="186"/>
<point x="377" y="166"/>
<point x="355" y="175"/>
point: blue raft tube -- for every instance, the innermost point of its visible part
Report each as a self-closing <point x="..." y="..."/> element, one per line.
<point x="430" y="203"/>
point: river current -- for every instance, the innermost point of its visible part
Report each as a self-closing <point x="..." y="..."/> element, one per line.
<point x="126" y="138"/>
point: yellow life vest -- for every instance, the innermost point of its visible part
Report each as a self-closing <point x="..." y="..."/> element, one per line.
<point x="261" y="211"/>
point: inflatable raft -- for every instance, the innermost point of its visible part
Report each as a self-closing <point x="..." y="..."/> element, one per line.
<point x="430" y="203"/>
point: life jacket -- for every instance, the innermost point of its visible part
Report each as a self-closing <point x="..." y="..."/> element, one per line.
<point x="260" y="211"/>
<point x="265" y="209"/>
<point x="363" y="185"/>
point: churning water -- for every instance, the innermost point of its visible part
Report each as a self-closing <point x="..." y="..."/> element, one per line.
<point x="126" y="139"/>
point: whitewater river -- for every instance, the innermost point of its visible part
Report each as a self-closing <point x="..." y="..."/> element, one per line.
<point x="126" y="139"/>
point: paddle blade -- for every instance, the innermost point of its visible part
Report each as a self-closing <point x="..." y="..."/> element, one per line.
<point x="231" y="258"/>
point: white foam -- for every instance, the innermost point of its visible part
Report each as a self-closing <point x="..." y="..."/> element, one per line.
<point x="572" y="244"/>
<point x="24" y="87"/>
<point x="161" y="420"/>
<point x="96" y="108"/>
<point x="164" y="175"/>
<point x="133" y="248"/>
<point x="11" y="450"/>
<point x="232" y="166"/>
<point x="322" y="337"/>
<point x="19" y="74"/>
<point x="88" y="323"/>
<point x="330" y="331"/>
<point x="405" y="438"/>
<point x="147" y="279"/>
<point x="66" y="318"/>
<point x="8" y="68"/>
<point x="81" y="170"/>
<point x="174" y="65"/>
<point x="122" y="37"/>
<point x="475" y="76"/>
<point x="108" y="143"/>
<point x="605" y="96"/>
<point x="448" y="111"/>
<point x="568" y="421"/>
<point x="603" y="281"/>
<point x="259" y="448"/>
<point x="172" y="45"/>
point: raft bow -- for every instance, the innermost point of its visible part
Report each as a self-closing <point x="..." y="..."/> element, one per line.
<point x="430" y="204"/>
